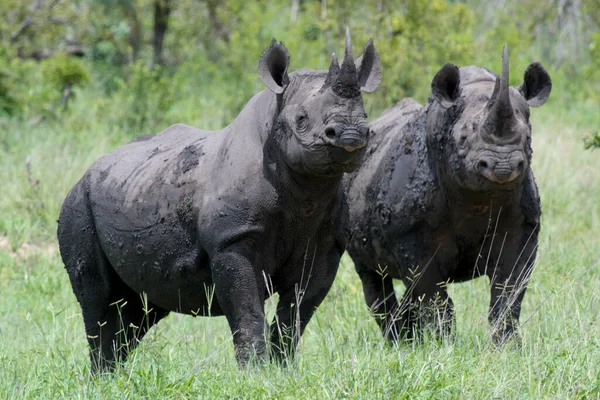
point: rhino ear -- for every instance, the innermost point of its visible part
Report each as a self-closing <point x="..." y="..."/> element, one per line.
<point x="273" y="66"/>
<point x="536" y="85"/>
<point x="368" y="67"/>
<point x="445" y="86"/>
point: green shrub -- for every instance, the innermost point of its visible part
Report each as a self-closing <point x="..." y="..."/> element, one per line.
<point x="143" y="96"/>
<point x="592" y="141"/>
<point x="63" y="73"/>
<point x="212" y="48"/>
<point x="8" y="102"/>
<point x="13" y="76"/>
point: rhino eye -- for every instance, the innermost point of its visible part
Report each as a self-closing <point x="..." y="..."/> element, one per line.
<point x="301" y="121"/>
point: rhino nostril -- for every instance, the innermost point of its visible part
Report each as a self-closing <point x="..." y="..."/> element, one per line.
<point x="330" y="133"/>
<point x="520" y="166"/>
<point x="483" y="164"/>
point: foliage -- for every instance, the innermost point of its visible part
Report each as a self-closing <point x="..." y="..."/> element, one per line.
<point x="62" y="70"/>
<point x="421" y="36"/>
<point x="217" y="44"/>
<point x="592" y="141"/>
<point x="63" y="73"/>
<point x="143" y="96"/>
<point x="9" y="103"/>
<point x="591" y="70"/>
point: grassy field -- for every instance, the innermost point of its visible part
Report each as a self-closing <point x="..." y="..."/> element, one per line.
<point x="43" y="351"/>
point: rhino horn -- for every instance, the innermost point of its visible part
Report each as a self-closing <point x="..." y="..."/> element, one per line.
<point x="346" y="82"/>
<point x="500" y="110"/>
<point x="334" y="70"/>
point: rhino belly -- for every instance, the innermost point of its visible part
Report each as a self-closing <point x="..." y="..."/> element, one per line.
<point x="161" y="256"/>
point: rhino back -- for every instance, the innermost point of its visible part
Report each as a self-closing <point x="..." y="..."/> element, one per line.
<point x="149" y="173"/>
<point x="392" y="196"/>
<point x="385" y="130"/>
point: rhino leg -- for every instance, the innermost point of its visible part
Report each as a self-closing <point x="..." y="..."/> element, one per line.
<point x="378" y="288"/>
<point x="508" y="283"/>
<point x="115" y="317"/>
<point x="427" y="304"/>
<point x="296" y="307"/>
<point x="240" y="293"/>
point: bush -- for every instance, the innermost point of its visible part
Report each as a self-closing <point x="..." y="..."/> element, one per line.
<point x="8" y="102"/>
<point x="144" y="96"/>
<point x="592" y="141"/>
<point x="63" y="73"/>
<point x="212" y="48"/>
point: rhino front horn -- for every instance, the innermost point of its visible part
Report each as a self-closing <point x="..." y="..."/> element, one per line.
<point x="500" y="110"/>
<point x="346" y="84"/>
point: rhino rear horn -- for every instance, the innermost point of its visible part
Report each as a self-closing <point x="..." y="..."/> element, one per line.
<point x="273" y="66"/>
<point x="334" y="70"/>
<point x="369" y="68"/>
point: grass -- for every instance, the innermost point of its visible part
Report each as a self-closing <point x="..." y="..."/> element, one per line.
<point x="43" y="351"/>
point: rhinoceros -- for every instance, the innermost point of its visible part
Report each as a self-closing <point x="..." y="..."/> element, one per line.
<point x="446" y="194"/>
<point x="211" y="223"/>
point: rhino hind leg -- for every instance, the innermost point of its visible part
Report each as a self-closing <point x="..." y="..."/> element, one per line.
<point x="116" y="324"/>
<point x="115" y="317"/>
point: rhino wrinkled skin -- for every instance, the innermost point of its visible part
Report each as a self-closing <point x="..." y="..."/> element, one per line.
<point x="446" y="194"/>
<point x="213" y="223"/>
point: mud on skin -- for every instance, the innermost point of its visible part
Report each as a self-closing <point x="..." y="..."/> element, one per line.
<point x="446" y="194"/>
<point x="211" y="223"/>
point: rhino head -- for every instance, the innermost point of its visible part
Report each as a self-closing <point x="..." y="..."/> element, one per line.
<point x="320" y="127"/>
<point x="484" y="123"/>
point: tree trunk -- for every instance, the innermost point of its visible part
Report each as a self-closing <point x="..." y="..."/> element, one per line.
<point x="218" y="30"/>
<point x="64" y="100"/>
<point x="295" y="9"/>
<point x="135" y="33"/>
<point x="162" y="10"/>
<point x="34" y="7"/>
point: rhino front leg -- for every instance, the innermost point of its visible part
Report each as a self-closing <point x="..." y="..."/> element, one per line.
<point x="508" y="285"/>
<point x="426" y="302"/>
<point x="241" y="297"/>
<point x="295" y="308"/>
<point x="297" y="305"/>
<point x="378" y="288"/>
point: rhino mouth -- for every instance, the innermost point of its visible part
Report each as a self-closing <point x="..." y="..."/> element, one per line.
<point x="500" y="170"/>
<point x="346" y="158"/>
<point x="351" y="142"/>
<point x="502" y="177"/>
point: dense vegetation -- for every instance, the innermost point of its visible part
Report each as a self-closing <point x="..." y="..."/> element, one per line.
<point x="79" y="78"/>
<point x="145" y="59"/>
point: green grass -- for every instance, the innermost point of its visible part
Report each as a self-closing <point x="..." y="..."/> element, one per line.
<point x="43" y="351"/>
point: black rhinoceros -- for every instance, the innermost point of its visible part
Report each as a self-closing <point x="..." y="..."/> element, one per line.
<point x="211" y="223"/>
<point x="446" y="194"/>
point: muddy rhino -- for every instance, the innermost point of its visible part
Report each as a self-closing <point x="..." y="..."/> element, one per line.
<point x="212" y="223"/>
<point x="446" y="194"/>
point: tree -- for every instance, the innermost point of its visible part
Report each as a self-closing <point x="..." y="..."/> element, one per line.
<point x="162" y="10"/>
